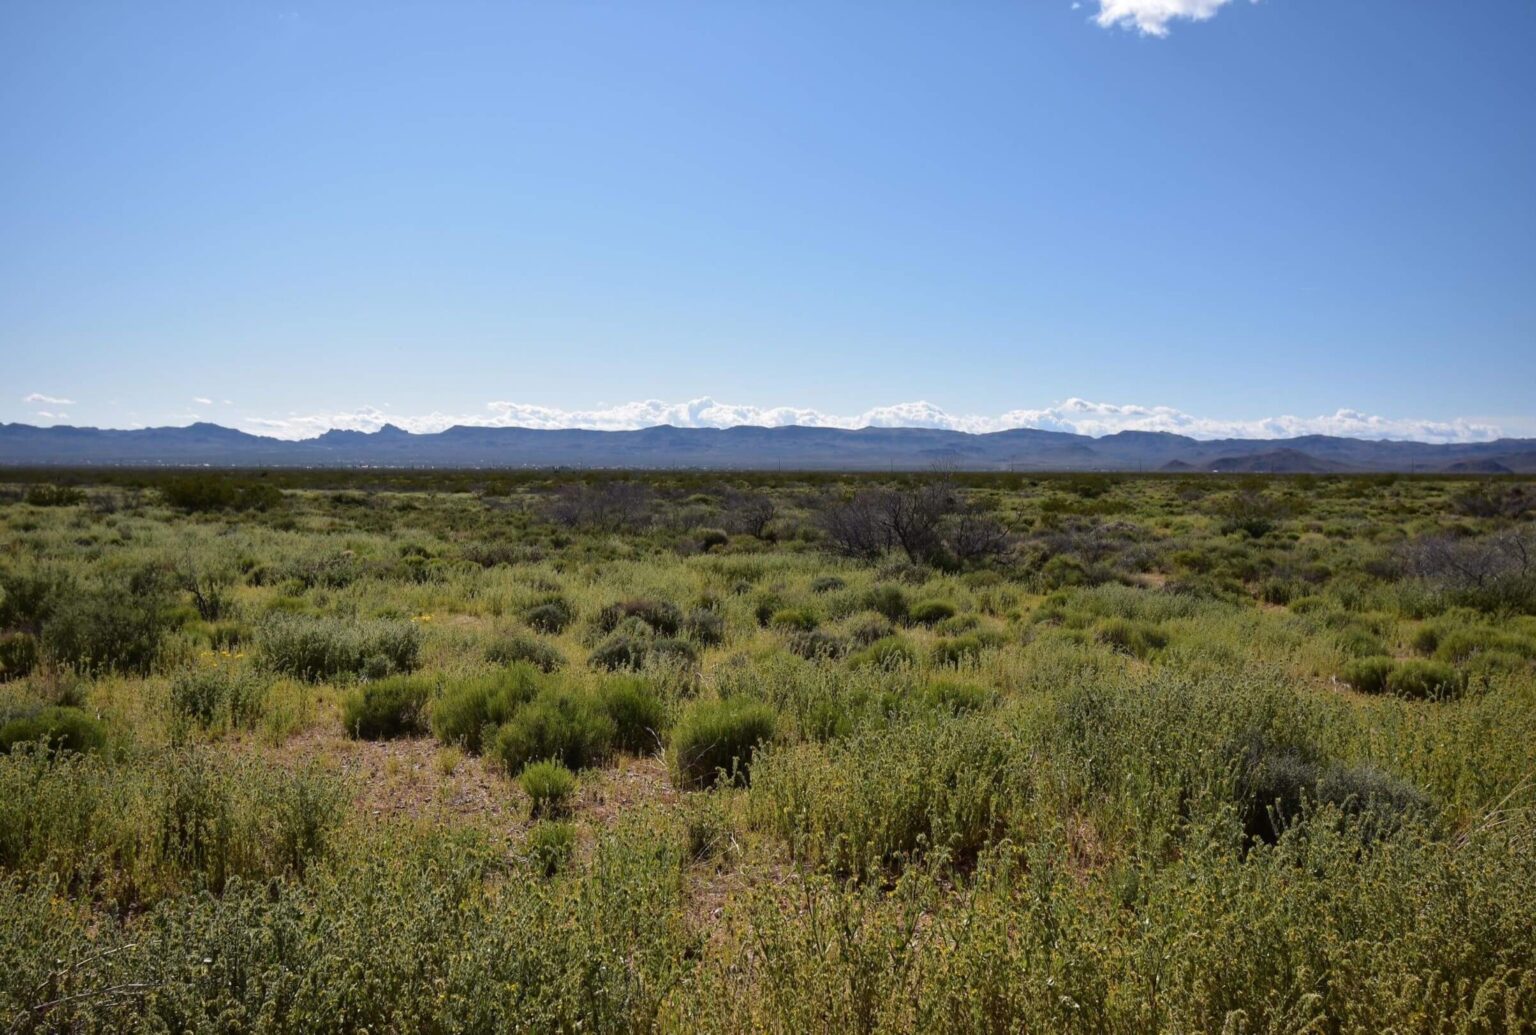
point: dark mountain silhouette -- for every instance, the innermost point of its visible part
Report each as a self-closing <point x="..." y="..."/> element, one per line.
<point x="1277" y="461"/>
<point x="1487" y="466"/>
<point x="790" y="448"/>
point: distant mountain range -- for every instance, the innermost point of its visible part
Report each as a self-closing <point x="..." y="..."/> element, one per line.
<point x="754" y="448"/>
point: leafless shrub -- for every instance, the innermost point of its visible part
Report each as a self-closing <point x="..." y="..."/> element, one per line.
<point x="209" y="588"/>
<point x="976" y="537"/>
<point x="1494" y="572"/>
<point x="914" y="517"/>
<point x="857" y="527"/>
<point x="1495" y="501"/>
<point x="928" y="522"/>
<point x="749" y="513"/>
<point x="610" y="506"/>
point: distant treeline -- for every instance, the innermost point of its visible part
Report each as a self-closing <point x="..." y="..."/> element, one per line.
<point x="503" y="482"/>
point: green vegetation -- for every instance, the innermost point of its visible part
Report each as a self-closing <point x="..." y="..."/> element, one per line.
<point x="717" y="739"/>
<point x="549" y="786"/>
<point x="534" y="751"/>
<point x="392" y="707"/>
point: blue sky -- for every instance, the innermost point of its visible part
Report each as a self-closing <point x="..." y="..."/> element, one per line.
<point x="290" y="216"/>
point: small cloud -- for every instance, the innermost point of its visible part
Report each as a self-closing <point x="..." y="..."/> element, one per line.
<point x="49" y="400"/>
<point x="201" y="401"/>
<point x="1151" y="17"/>
<point x="48" y="415"/>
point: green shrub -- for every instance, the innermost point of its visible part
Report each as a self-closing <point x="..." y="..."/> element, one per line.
<point x="550" y="844"/>
<point x="549" y="786"/>
<point x="1361" y="643"/>
<point x="705" y="626"/>
<point x="958" y="650"/>
<point x="118" y="626"/>
<point x="889" y="654"/>
<point x="865" y="806"/>
<point x="957" y="624"/>
<point x="1460" y="645"/>
<point x="887" y="600"/>
<point x="558" y="724"/>
<point x="623" y="651"/>
<point x="827" y="584"/>
<point x="18" y="655"/>
<point x="793" y="619"/>
<point x="719" y="736"/>
<point x="218" y="696"/>
<point x="317" y="649"/>
<point x="510" y="649"/>
<point x="816" y="644"/>
<point x="53" y="496"/>
<point x="27" y="596"/>
<point x="1425" y="639"/>
<point x="1380" y="801"/>
<point x="1275" y="787"/>
<point x="639" y="716"/>
<point x="660" y="616"/>
<point x="393" y="707"/>
<point x="468" y="707"/>
<point x="227" y="635"/>
<point x="551" y="615"/>
<point x="1423" y="679"/>
<point x="206" y="492"/>
<point x="868" y="629"/>
<point x="669" y="650"/>
<point x="1129" y="636"/>
<point x="956" y="698"/>
<point x="619" y="652"/>
<point x="765" y="608"/>
<point x="709" y="538"/>
<point x="57" y="729"/>
<point x="1367" y="675"/>
<point x="932" y="612"/>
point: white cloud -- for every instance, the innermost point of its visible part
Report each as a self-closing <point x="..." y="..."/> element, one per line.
<point x="1151" y="17"/>
<point x="49" y="415"/>
<point x="49" y="400"/>
<point x="1078" y="416"/>
<point x="202" y="401"/>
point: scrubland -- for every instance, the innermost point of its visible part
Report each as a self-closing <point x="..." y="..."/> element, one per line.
<point x="714" y="753"/>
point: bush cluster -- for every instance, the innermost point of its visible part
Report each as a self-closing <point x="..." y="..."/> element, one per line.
<point x="717" y="739"/>
<point x="218" y="696"/>
<point x="386" y="708"/>
<point x="317" y="649"/>
<point x="54" y="729"/>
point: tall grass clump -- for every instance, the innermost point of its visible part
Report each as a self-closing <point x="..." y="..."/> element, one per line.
<point x="56" y="728"/>
<point x="549" y="786"/>
<point x="386" y="708"/>
<point x="317" y="649"/>
<point x="559" y="725"/>
<point x="220" y="696"/>
<point x="18" y="654"/>
<point x="468" y="708"/>
<point x="927" y="788"/>
<point x="718" y="739"/>
<point x="116" y="626"/>
<point x="511" y="649"/>
<point x="638" y="713"/>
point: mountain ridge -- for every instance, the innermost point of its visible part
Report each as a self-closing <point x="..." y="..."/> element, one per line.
<point x="750" y="447"/>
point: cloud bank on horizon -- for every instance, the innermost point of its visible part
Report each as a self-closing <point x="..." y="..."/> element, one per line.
<point x="1151" y="17"/>
<point x="1078" y="416"/>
